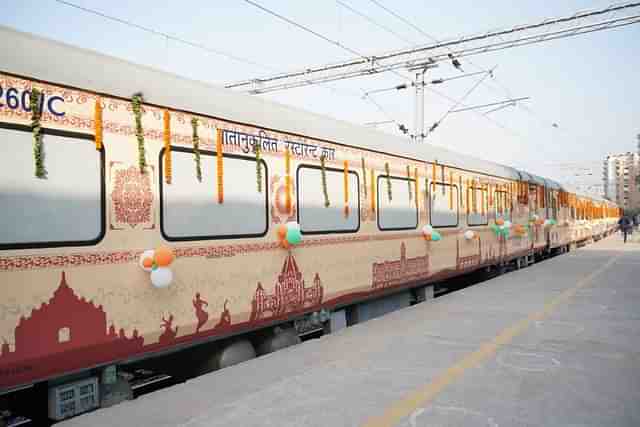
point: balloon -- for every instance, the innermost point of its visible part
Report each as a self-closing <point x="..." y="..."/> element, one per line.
<point x="294" y="236"/>
<point x="427" y="237"/>
<point x="507" y="224"/>
<point x="427" y="229"/>
<point x="500" y="221"/>
<point x="282" y="232"/>
<point x="284" y="243"/>
<point x="435" y="236"/>
<point x="292" y="225"/>
<point x="161" y="277"/>
<point x="164" y="256"/>
<point x="469" y="234"/>
<point x="146" y="260"/>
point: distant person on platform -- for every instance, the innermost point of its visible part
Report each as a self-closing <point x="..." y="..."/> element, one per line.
<point x="625" y="226"/>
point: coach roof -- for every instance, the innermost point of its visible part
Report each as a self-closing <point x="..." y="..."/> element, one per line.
<point x="63" y="64"/>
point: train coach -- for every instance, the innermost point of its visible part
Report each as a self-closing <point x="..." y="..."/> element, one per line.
<point x="144" y="213"/>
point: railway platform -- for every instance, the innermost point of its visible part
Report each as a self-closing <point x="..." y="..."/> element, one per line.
<point x="557" y="343"/>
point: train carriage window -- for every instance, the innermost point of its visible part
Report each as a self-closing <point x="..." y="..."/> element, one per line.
<point x="64" y="209"/>
<point x="444" y="205"/>
<point x="481" y="215"/>
<point x="401" y="212"/>
<point x="190" y="209"/>
<point x="313" y="216"/>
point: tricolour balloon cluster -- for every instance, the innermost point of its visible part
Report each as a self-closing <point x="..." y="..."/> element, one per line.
<point x="535" y="219"/>
<point x="289" y="234"/>
<point x="520" y="230"/>
<point x="430" y="235"/>
<point x="157" y="261"/>
<point x="549" y="222"/>
<point x="501" y="228"/>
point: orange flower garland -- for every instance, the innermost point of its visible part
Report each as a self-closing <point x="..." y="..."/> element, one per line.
<point x="97" y="118"/>
<point x="417" y="190"/>
<point x="219" y="164"/>
<point x="373" y="191"/>
<point x="167" y="146"/>
<point x="287" y="180"/>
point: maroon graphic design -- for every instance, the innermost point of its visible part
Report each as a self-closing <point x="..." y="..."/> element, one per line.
<point x="201" y="315"/>
<point x="66" y="323"/>
<point x="132" y="198"/>
<point x="225" y="317"/>
<point x="69" y="333"/>
<point x="279" y="213"/>
<point x="393" y="273"/>
<point x="169" y="333"/>
<point x="290" y="293"/>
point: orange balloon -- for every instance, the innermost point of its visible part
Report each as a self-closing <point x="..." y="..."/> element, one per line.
<point x="285" y="243"/>
<point x="163" y="256"/>
<point x="499" y="221"/>
<point x="282" y="231"/>
<point x="427" y="237"/>
<point x="147" y="262"/>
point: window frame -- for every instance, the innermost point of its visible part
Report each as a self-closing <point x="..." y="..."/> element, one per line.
<point x="433" y="185"/>
<point x="211" y="153"/>
<point x="402" y="178"/>
<point x="310" y="166"/>
<point x="486" y="203"/>
<point x="103" y="193"/>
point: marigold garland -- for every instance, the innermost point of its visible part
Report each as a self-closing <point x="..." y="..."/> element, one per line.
<point x="373" y="191"/>
<point x="166" y="137"/>
<point x="136" y="105"/>
<point x="258" y="149"/>
<point x="469" y="190"/>
<point x="287" y="180"/>
<point x="346" y="187"/>
<point x="364" y="177"/>
<point x="196" y="147"/>
<point x="97" y="123"/>
<point x="409" y="182"/>
<point x="450" y="191"/>
<point x="386" y="168"/>
<point x="36" y="114"/>
<point x="219" y="166"/>
<point x="323" y="175"/>
<point x="417" y="189"/>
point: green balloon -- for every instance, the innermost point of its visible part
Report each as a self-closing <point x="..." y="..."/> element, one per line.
<point x="294" y="236"/>
<point x="435" y="236"/>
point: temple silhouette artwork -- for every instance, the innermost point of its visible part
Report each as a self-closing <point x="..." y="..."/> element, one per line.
<point x="290" y="294"/>
<point x="392" y="273"/>
<point x="68" y="332"/>
<point x="66" y="323"/>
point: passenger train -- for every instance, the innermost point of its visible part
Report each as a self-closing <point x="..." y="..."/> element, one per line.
<point x="102" y="161"/>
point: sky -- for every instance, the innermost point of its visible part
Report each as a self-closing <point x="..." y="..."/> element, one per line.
<point x="588" y="85"/>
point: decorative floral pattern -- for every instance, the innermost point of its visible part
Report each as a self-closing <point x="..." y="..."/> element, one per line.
<point x="132" y="198"/>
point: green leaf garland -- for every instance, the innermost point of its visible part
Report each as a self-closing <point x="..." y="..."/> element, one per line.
<point x="324" y="180"/>
<point x="364" y="176"/>
<point x="36" y="114"/>
<point x="196" y="147"/>
<point x="136" y="102"/>
<point x="386" y="168"/>
<point x="258" y="149"/>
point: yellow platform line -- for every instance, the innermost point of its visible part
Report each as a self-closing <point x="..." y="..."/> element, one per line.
<point x="422" y="396"/>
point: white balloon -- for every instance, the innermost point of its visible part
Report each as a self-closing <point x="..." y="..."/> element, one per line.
<point x="161" y="277"/>
<point x="427" y="229"/>
<point x="469" y="234"/>
<point x="146" y="254"/>
<point x="507" y="224"/>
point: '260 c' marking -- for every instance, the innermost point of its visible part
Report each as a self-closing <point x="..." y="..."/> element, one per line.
<point x="16" y="100"/>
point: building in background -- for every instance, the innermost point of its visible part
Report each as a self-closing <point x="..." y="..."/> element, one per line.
<point x="620" y="179"/>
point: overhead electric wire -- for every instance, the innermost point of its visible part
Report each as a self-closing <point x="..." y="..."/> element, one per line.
<point x="306" y="29"/>
<point x="374" y="22"/>
<point x="168" y="36"/>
